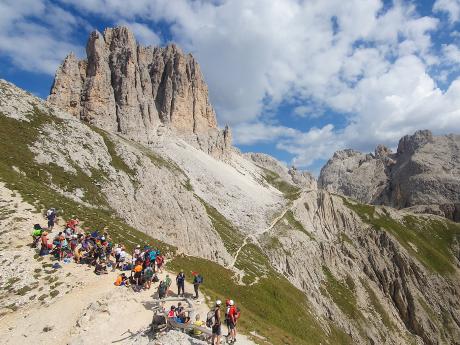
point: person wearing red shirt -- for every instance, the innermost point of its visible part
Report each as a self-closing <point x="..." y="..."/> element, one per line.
<point x="232" y="318"/>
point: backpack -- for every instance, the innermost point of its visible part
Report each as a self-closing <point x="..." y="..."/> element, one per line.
<point x="199" y="279"/>
<point x="210" y="318"/>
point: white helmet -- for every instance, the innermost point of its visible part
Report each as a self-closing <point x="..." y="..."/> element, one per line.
<point x="218" y="302"/>
<point x="231" y="302"/>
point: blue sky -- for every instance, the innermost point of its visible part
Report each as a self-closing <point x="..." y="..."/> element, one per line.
<point x="298" y="79"/>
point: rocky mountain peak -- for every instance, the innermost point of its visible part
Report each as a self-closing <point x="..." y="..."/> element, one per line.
<point x="410" y="143"/>
<point x="128" y="88"/>
<point x="423" y="174"/>
<point x="382" y="151"/>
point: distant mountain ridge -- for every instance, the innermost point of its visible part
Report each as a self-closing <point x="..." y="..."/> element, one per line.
<point x="424" y="174"/>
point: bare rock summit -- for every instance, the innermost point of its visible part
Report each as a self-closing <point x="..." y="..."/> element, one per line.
<point x="423" y="174"/>
<point x="124" y="87"/>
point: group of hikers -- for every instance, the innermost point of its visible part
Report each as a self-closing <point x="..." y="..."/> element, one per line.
<point x="97" y="249"/>
<point x="213" y="320"/>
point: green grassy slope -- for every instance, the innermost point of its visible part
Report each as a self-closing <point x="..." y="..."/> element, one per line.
<point x="272" y="307"/>
<point x="272" y="178"/>
<point x="429" y="240"/>
<point x="33" y="181"/>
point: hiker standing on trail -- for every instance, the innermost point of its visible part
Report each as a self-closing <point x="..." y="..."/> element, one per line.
<point x="44" y="244"/>
<point x="197" y="281"/>
<point x="51" y="216"/>
<point x="217" y="327"/>
<point x="180" y="281"/>
<point x="162" y="290"/>
<point x="148" y="276"/>
<point x="167" y="284"/>
<point x="137" y="273"/>
<point x="159" y="260"/>
<point x="232" y="317"/>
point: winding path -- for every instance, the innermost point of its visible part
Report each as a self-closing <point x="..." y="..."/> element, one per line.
<point x="253" y="236"/>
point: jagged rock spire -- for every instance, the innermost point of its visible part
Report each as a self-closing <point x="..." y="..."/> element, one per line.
<point x="132" y="89"/>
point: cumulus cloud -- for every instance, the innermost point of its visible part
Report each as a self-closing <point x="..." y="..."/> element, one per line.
<point x="34" y="34"/>
<point x="144" y="35"/>
<point x="367" y="63"/>
<point x="451" y="7"/>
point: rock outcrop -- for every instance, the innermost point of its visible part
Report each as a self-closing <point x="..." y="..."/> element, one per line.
<point x="301" y="179"/>
<point x="127" y="88"/>
<point x="424" y="172"/>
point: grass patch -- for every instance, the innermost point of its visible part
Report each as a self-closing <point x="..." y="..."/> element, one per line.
<point x="117" y="162"/>
<point x="342" y="295"/>
<point x="156" y="159"/>
<point x="12" y="307"/>
<point x="25" y="289"/>
<point x="378" y="307"/>
<point x="253" y="262"/>
<point x="42" y="297"/>
<point x="289" y="216"/>
<point x="290" y="192"/>
<point x="344" y="238"/>
<point x="10" y="282"/>
<point x="54" y="293"/>
<point x="272" y="307"/>
<point x="230" y="235"/>
<point x="428" y="240"/>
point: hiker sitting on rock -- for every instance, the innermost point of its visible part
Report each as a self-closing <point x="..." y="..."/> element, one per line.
<point x="161" y="290"/>
<point x="122" y="280"/>
<point x="181" y="313"/>
<point x="100" y="268"/>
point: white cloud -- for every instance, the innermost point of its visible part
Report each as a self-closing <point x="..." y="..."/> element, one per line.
<point x="451" y="53"/>
<point x="252" y="133"/>
<point x="371" y="68"/>
<point x="144" y="35"/>
<point x="34" y="34"/>
<point x="451" y="7"/>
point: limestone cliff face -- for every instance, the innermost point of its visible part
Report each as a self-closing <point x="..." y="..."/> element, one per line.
<point x="131" y="89"/>
<point x="423" y="174"/>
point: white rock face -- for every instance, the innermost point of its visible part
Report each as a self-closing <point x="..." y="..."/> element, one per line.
<point x="425" y="172"/>
<point x="352" y="173"/>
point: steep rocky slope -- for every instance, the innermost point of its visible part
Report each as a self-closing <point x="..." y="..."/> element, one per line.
<point x="305" y="266"/>
<point x="423" y="174"/>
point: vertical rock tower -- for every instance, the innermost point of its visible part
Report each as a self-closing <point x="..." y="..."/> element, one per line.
<point x="127" y="88"/>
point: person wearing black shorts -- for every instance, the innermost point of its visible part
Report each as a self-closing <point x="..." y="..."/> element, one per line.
<point x="217" y="326"/>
